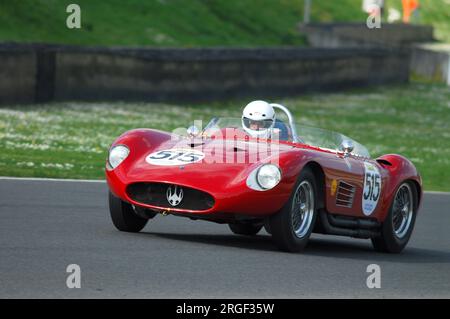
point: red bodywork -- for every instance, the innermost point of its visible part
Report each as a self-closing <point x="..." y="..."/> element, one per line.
<point x="226" y="182"/>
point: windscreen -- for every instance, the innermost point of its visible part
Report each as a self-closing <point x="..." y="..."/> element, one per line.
<point x="328" y="139"/>
<point x="308" y="135"/>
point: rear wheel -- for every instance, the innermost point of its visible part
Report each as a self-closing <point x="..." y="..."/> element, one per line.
<point x="124" y="217"/>
<point x="245" y="229"/>
<point x="399" y="223"/>
<point x="291" y="227"/>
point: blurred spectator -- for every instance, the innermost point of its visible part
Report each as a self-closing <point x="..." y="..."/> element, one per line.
<point x="410" y="7"/>
<point x="373" y="7"/>
<point x="393" y="15"/>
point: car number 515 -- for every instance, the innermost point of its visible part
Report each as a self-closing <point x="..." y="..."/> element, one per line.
<point x="372" y="188"/>
<point x="174" y="157"/>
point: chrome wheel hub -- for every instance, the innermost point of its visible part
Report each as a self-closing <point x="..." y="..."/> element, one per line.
<point x="402" y="210"/>
<point x="302" y="209"/>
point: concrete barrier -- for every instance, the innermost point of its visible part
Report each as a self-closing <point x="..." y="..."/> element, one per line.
<point x="63" y="73"/>
<point x="431" y="61"/>
<point x="338" y="35"/>
<point x="17" y="75"/>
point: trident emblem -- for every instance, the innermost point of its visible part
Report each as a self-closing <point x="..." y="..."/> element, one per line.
<point x="174" y="195"/>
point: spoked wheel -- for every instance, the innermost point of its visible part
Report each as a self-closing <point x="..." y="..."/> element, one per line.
<point x="303" y="209"/>
<point x="397" y="228"/>
<point x="292" y="226"/>
<point x="124" y="217"/>
<point x="402" y="211"/>
<point x="245" y="229"/>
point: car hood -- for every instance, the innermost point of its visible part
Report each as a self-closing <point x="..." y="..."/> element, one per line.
<point x="225" y="163"/>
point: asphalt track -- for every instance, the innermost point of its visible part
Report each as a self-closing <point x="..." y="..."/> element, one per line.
<point x="47" y="225"/>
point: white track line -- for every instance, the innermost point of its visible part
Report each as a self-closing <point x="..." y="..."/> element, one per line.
<point x="103" y="181"/>
<point x="42" y="179"/>
<point x="52" y="179"/>
<point x="437" y="193"/>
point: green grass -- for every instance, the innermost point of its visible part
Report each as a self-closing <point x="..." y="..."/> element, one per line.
<point x="154" y="23"/>
<point x="70" y="140"/>
<point x="186" y="23"/>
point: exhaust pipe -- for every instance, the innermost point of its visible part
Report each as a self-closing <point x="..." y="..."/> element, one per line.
<point x="342" y="231"/>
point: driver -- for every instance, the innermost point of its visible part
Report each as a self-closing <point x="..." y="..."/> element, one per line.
<point x="258" y="119"/>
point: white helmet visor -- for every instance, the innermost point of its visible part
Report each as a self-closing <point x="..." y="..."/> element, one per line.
<point x="257" y="125"/>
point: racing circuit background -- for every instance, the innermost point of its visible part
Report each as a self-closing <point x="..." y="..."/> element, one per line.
<point x="72" y="78"/>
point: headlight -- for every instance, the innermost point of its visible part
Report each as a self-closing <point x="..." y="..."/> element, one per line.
<point x="117" y="154"/>
<point x="268" y="176"/>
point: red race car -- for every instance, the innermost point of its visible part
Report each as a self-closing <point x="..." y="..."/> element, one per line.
<point x="288" y="178"/>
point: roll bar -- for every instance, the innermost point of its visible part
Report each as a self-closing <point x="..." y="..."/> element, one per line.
<point x="295" y="137"/>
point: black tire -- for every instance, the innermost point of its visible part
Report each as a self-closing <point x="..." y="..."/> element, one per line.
<point x="144" y="213"/>
<point x="247" y="229"/>
<point x="124" y="217"/>
<point x="281" y="224"/>
<point x="388" y="241"/>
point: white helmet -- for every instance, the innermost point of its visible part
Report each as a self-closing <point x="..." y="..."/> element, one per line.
<point x="258" y="119"/>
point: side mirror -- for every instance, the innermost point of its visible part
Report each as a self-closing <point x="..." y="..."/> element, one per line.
<point x="193" y="131"/>
<point x="347" y="147"/>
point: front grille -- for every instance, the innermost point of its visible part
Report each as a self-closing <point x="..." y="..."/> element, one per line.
<point x="155" y="194"/>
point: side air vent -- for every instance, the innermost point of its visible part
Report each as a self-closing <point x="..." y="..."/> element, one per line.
<point x="345" y="194"/>
<point x="384" y="162"/>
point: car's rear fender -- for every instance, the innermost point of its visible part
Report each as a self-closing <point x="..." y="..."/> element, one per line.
<point x="399" y="169"/>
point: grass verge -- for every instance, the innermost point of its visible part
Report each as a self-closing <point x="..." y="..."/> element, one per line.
<point x="70" y="140"/>
<point x="190" y="23"/>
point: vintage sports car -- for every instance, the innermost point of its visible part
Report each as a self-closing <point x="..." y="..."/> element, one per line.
<point x="305" y="180"/>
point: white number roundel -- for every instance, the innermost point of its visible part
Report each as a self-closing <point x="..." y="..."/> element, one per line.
<point x="174" y="157"/>
<point x="372" y="188"/>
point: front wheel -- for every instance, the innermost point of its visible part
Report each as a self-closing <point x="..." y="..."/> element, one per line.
<point x="124" y="217"/>
<point x="291" y="227"/>
<point x="245" y="229"/>
<point x="399" y="223"/>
